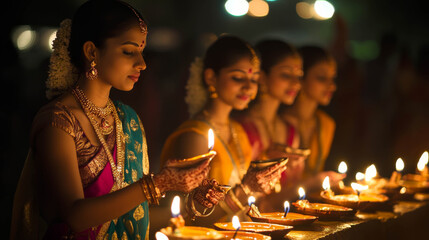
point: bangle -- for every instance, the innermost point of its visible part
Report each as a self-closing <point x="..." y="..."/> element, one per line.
<point x="153" y="192"/>
<point x="195" y="212"/>
<point x="145" y="190"/>
<point x="245" y="189"/>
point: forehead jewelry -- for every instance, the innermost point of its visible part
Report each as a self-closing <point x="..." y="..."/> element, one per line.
<point x="143" y="27"/>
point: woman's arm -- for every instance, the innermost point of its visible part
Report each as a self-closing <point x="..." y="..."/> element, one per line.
<point x="56" y="157"/>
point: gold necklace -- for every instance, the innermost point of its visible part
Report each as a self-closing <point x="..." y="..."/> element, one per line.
<point x="234" y="137"/>
<point x="118" y="168"/>
<point x="104" y="125"/>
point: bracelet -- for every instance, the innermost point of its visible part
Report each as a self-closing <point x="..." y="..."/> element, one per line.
<point x="195" y="212"/>
<point x="145" y="190"/>
<point x="154" y="194"/>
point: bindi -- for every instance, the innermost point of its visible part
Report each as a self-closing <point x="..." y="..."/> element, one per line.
<point x="250" y="70"/>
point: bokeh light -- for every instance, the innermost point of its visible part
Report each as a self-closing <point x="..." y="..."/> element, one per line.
<point x="258" y="8"/>
<point x="323" y="9"/>
<point x="237" y="7"/>
<point x="304" y="10"/>
<point x="23" y="37"/>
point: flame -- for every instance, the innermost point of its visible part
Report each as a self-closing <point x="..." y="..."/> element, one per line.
<point x="359" y="176"/>
<point x="286" y="207"/>
<point x="370" y="172"/>
<point x="211" y="139"/>
<point x="358" y="187"/>
<point x="160" y="236"/>
<point x="403" y="190"/>
<point x="301" y="193"/>
<point x="175" y="206"/>
<point x="342" y="168"/>
<point x="326" y="184"/>
<point x="423" y="161"/>
<point x="251" y="200"/>
<point x="235" y="222"/>
<point x="400" y="165"/>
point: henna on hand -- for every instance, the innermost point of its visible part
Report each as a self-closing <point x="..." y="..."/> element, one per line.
<point x="178" y="179"/>
<point x="208" y="195"/>
<point x="262" y="180"/>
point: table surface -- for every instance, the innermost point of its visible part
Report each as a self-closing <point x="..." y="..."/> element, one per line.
<point x="406" y="220"/>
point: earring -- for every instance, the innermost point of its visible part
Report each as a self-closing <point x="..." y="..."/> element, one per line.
<point x="212" y="92"/>
<point x="92" y="73"/>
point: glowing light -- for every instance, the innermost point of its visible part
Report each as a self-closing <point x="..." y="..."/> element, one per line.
<point x="160" y="236"/>
<point x="301" y="193"/>
<point x="370" y="172"/>
<point x="323" y="9"/>
<point x="235" y="222"/>
<point x="50" y="39"/>
<point x="237" y="7"/>
<point x="251" y="200"/>
<point x="175" y="206"/>
<point x="286" y="206"/>
<point x="304" y="10"/>
<point x="423" y="161"/>
<point x="258" y="8"/>
<point x="403" y="190"/>
<point x="24" y="37"/>
<point x="211" y="139"/>
<point x="326" y="184"/>
<point x="360" y="176"/>
<point x="358" y="187"/>
<point x="342" y="168"/>
<point x="400" y="165"/>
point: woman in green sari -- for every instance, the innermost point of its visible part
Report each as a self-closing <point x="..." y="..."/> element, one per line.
<point x="87" y="172"/>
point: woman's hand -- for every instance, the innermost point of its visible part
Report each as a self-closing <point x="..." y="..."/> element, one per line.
<point x="209" y="194"/>
<point x="263" y="180"/>
<point x="181" y="179"/>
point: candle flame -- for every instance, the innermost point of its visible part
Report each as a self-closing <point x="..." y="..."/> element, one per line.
<point x="286" y="207"/>
<point x="370" y="172"/>
<point x="342" y="168"/>
<point x="326" y="184"/>
<point x="211" y="139"/>
<point x="358" y="187"/>
<point x="301" y="193"/>
<point x="403" y="190"/>
<point x="423" y="161"/>
<point x="359" y="176"/>
<point x="235" y="222"/>
<point x="160" y="236"/>
<point x="400" y="165"/>
<point x="251" y="200"/>
<point x="175" y="206"/>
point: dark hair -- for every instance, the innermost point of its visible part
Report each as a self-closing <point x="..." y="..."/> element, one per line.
<point x="312" y="55"/>
<point x="273" y="51"/>
<point x="226" y="51"/>
<point x="96" y="21"/>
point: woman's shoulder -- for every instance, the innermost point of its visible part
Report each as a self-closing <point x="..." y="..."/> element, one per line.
<point x="325" y="117"/>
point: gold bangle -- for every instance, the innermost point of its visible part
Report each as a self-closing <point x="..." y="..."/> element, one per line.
<point x="146" y="191"/>
<point x="152" y="190"/>
<point x="194" y="209"/>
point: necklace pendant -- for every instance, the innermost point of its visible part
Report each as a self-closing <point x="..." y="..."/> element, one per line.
<point x="105" y="127"/>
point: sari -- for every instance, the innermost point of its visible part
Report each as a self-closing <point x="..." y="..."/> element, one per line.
<point x="320" y="143"/>
<point x="96" y="176"/>
<point x="228" y="166"/>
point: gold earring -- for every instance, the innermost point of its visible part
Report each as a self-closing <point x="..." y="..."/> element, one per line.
<point x="92" y="73"/>
<point x="212" y="92"/>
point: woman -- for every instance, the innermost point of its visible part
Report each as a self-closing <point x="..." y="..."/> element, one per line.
<point x="281" y="71"/>
<point x="226" y="80"/>
<point x="87" y="173"/>
<point x="316" y="129"/>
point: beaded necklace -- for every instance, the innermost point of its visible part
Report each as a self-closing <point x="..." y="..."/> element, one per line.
<point x="118" y="168"/>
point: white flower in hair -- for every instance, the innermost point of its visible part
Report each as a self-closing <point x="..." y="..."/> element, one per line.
<point x="62" y="74"/>
<point x="197" y="93"/>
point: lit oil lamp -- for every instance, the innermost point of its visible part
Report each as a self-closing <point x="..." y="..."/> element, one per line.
<point x="177" y="220"/>
<point x="396" y="175"/>
<point x="236" y="225"/>
<point x="286" y="208"/>
<point x="187" y="162"/>
<point x="422" y="165"/>
<point x="253" y="209"/>
<point x="359" y="188"/>
<point x="342" y="168"/>
<point x="370" y="174"/>
<point x="302" y="201"/>
<point x="327" y="187"/>
<point x="360" y="176"/>
<point x="160" y="236"/>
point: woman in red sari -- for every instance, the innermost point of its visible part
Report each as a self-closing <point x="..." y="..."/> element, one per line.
<point x="87" y="172"/>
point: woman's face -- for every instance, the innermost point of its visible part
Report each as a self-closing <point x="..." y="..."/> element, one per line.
<point x="237" y="84"/>
<point x="120" y="60"/>
<point x="319" y="82"/>
<point x="283" y="80"/>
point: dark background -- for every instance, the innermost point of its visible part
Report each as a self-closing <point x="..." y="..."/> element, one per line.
<point x="381" y="106"/>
